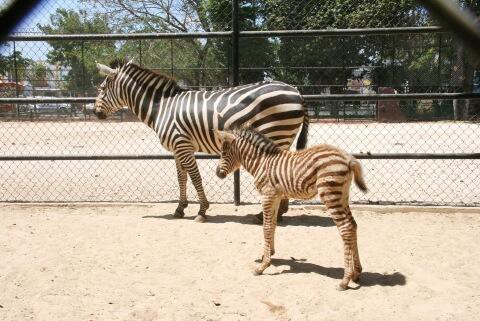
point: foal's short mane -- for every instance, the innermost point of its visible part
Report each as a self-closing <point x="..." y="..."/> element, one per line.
<point x="258" y="140"/>
<point x="120" y="62"/>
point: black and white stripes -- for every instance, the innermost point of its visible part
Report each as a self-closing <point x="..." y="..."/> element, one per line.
<point x="184" y="120"/>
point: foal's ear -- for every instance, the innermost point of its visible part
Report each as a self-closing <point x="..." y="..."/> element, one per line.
<point x="224" y="136"/>
<point x="106" y="71"/>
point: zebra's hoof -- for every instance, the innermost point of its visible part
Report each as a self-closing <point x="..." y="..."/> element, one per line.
<point x="179" y="213"/>
<point x="200" y="218"/>
<point x="342" y="287"/>
<point x="257" y="272"/>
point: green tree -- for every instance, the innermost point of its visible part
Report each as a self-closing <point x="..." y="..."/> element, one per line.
<point x="9" y="61"/>
<point x="75" y="56"/>
<point x="38" y="75"/>
<point x="191" y="57"/>
<point x="258" y="54"/>
<point x="338" y="57"/>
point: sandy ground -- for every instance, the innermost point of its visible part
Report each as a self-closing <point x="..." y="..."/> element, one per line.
<point x="134" y="262"/>
<point x="399" y="181"/>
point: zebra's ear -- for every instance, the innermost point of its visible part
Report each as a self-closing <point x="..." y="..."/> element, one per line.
<point x="105" y="70"/>
<point x="224" y="136"/>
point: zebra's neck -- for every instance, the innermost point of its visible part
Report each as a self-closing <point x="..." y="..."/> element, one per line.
<point x="146" y="92"/>
<point x="255" y="159"/>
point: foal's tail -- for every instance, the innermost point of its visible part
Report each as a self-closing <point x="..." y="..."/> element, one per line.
<point x="356" y="168"/>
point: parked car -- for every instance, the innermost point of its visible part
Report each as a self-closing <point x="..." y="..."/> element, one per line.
<point x="49" y="108"/>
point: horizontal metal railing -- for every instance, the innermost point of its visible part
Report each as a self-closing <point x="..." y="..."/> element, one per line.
<point x="228" y="34"/>
<point x="341" y="97"/>
<point x="208" y="156"/>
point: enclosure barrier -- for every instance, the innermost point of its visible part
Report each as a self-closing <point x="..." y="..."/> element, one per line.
<point x="234" y="35"/>
<point x="237" y="176"/>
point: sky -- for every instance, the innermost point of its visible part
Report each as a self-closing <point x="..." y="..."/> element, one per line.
<point x="40" y="15"/>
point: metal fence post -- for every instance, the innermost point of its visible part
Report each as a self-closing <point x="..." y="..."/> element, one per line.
<point x="171" y="57"/>
<point x="84" y="87"/>
<point x="235" y="82"/>
<point x="439" y="66"/>
<point x="140" y="51"/>
<point x="16" y="75"/>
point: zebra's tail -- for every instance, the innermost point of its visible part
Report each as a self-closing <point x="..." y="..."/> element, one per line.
<point x="302" y="138"/>
<point x="356" y="168"/>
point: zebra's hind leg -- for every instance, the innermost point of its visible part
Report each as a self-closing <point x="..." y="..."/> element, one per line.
<point x="357" y="266"/>
<point x="182" y="183"/>
<point x="348" y="231"/>
<point x="190" y="164"/>
<point x="337" y="209"/>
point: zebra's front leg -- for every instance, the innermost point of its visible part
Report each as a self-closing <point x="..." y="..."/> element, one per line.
<point x="182" y="183"/>
<point x="270" y="209"/>
<point x="190" y="164"/>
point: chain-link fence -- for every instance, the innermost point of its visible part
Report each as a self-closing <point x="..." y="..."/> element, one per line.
<point x="87" y="160"/>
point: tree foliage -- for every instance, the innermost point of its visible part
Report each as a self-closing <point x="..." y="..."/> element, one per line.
<point x="75" y="56"/>
<point x="8" y="62"/>
<point x="421" y="62"/>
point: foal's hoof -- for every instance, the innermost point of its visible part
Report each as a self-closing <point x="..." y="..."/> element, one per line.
<point x="257" y="272"/>
<point x="200" y="218"/>
<point x="179" y="213"/>
<point x="342" y="287"/>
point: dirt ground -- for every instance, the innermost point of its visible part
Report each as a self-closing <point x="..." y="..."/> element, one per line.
<point x="135" y="262"/>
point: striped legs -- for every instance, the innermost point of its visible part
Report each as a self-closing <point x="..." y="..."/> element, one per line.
<point x="270" y="205"/>
<point x="357" y="266"/>
<point x="347" y="227"/>
<point x="189" y="164"/>
<point x="182" y="182"/>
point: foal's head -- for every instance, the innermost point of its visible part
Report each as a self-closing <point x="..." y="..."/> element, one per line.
<point x="229" y="160"/>
<point x="240" y="147"/>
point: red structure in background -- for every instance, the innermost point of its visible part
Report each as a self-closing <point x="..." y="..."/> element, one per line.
<point x="8" y="90"/>
<point x="389" y="110"/>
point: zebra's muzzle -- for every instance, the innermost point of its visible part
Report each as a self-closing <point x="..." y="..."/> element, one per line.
<point x="221" y="173"/>
<point x="100" y="114"/>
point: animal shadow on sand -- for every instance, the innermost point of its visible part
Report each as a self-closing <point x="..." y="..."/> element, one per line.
<point x="298" y="220"/>
<point x="367" y="279"/>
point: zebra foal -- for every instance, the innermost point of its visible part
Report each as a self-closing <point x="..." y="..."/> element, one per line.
<point x="321" y="170"/>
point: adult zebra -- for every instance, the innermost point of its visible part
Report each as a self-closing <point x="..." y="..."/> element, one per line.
<point x="184" y="120"/>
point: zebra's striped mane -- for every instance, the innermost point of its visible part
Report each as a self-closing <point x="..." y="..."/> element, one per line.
<point x="257" y="140"/>
<point x="120" y="62"/>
